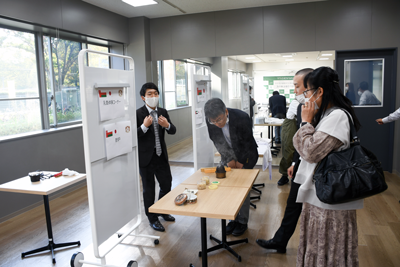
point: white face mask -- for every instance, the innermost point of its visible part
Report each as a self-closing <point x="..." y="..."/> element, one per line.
<point x="347" y="89"/>
<point x="360" y="93"/>
<point x="307" y="99"/>
<point x="151" y="101"/>
<point x="301" y="98"/>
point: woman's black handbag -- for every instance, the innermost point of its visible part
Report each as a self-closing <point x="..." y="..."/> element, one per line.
<point x="350" y="174"/>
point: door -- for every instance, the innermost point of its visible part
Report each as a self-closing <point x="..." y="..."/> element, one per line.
<point x="372" y="76"/>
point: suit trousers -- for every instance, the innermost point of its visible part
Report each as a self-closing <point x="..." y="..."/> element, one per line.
<point x="158" y="167"/>
<point x="291" y="216"/>
<point x="244" y="212"/>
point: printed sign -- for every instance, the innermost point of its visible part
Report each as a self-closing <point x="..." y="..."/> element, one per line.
<point x="118" y="137"/>
<point x="111" y="104"/>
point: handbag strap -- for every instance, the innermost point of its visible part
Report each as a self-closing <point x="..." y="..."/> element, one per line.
<point x="353" y="132"/>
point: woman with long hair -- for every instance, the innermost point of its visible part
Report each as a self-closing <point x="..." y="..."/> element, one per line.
<point x="328" y="233"/>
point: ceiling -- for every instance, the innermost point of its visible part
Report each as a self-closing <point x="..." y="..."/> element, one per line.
<point x="287" y="57"/>
<point x="166" y="8"/>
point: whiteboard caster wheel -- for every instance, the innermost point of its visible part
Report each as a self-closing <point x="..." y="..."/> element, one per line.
<point x="156" y="242"/>
<point x="132" y="264"/>
<point x="78" y="256"/>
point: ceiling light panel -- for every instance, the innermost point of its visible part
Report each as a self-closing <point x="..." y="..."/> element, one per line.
<point x="137" y="3"/>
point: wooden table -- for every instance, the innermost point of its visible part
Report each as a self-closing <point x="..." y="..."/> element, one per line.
<point x="223" y="203"/>
<point x="44" y="187"/>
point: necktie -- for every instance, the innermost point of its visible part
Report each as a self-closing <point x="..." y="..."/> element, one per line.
<point x="155" y="125"/>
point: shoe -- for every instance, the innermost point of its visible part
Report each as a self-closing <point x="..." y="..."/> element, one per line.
<point x="168" y="217"/>
<point x="239" y="229"/>
<point x="283" y="180"/>
<point x="157" y="226"/>
<point x="230" y="227"/>
<point x="270" y="244"/>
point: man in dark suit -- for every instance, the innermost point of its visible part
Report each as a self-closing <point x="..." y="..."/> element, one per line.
<point x="152" y="122"/>
<point x="277" y="105"/>
<point x="232" y="134"/>
<point x="293" y="209"/>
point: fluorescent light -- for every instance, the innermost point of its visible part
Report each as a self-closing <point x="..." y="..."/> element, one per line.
<point x="291" y="59"/>
<point x="324" y="58"/>
<point x="137" y="3"/>
<point x="326" y="55"/>
<point x="250" y="57"/>
<point x="287" y="56"/>
<point x="255" y="61"/>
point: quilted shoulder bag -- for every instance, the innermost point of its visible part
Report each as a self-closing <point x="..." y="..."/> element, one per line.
<point x="350" y="174"/>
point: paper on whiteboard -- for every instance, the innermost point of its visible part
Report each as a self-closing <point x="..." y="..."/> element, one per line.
<point x="201" y="92"/>
<point x="199" y="115"/>
<point x="118" y="137"/>
<point x="111" y="104"/>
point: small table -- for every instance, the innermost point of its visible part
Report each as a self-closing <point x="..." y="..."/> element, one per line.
<point x="230" y="196"/>
<point x="45" y="188"/>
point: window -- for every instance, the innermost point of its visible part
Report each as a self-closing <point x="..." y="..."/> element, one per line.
<point x="175" y="84"/>
<point x="234" y="84"/>
<point x="19" y="91"/>
<point x="35" y="98"/>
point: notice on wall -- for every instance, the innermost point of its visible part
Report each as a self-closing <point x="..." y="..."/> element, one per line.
<point x="201" y="92"/>
<point x="282" y="84"/>
<point x="111" y="103"/>
<point x="118" y="137"/>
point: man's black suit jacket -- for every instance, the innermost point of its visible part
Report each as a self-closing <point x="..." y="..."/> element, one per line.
<point x="243" y="144"/>
<point x="277" y="104"/>
<point x="146" y="141"/>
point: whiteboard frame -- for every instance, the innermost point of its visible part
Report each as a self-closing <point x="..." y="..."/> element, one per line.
<point x="93" y="160"/>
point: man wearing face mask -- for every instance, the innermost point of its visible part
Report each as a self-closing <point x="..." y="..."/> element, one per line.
<point x="290" y="127"/>
<point x="152" y="122"/>
<point x="293" y="209"/>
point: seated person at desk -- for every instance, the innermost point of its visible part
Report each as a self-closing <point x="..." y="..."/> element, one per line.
<point x="152" y="121"/>
<point x="277" y="105"/>
<point x="232" y="134"/>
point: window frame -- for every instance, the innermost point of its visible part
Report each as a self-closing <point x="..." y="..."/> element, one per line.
<point x="42" y="97"/>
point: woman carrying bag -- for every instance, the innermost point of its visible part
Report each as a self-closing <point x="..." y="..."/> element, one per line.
<point x="328" y="233"/>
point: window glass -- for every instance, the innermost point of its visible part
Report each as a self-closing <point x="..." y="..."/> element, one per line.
<point x="169" y="84"/>
<point x="97" y="60"/>
<point x="181" y="85"/>
<point x="62" y="79"/>
<point x="19" y="90"/>
<point x="363" y="84"/>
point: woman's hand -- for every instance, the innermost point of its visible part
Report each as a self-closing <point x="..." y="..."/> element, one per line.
<point x="308" y="112"/>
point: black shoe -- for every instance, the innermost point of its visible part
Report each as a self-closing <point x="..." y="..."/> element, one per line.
<point x="283" y="180"/>
<point x="271" y="244"/>
<point x="157" y="226"/>
<point x="239" y="229"/>
<point x="230" y="227"/>
<point x="168" y="217"/>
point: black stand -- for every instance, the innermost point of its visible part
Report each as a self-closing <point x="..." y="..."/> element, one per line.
<point x="51" y="246"/>
<point x="274" y="149"/>
<point x="221" y="244"/>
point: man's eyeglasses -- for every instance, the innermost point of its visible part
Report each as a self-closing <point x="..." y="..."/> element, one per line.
<point x="218" y="121"/>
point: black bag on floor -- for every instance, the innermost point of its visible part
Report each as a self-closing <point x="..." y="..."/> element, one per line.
<point x="350" y="174"/>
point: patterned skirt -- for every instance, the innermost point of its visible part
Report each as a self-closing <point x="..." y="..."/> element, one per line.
<point x="328" y="238"/>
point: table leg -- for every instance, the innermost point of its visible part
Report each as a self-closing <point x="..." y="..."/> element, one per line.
<point x="224" y="244"/>
<point x="204" y="241"/>
<point x="51" y="246"/>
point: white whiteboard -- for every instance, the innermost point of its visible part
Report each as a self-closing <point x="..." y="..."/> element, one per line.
<point x="203" y="147"/>
<point x="113" y="185"/>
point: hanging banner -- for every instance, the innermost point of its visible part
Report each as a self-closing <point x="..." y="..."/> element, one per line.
<point x="118" y="137"/>
<point x="111" y="103"/>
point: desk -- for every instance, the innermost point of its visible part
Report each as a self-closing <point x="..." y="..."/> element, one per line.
<point x="223" y="203"/>
<point x="45" y="188"/>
